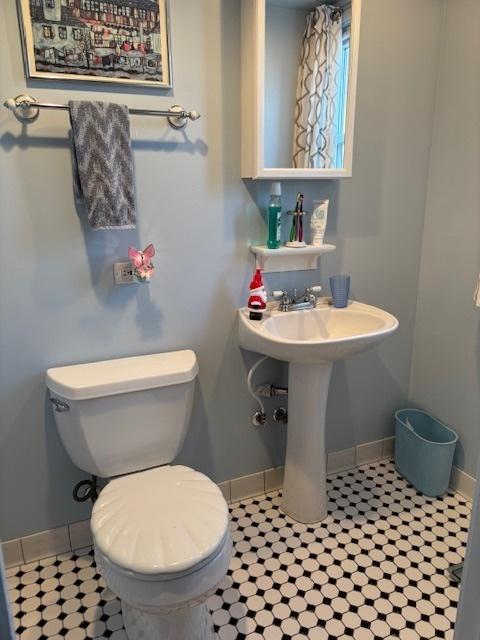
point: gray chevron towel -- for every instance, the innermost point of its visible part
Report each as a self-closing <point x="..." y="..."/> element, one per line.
<point x="102" y="163"/>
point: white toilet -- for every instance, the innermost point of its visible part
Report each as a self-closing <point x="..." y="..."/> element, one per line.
<point x="162" y="541"/>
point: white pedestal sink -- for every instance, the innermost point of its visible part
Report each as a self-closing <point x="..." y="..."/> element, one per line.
<point x="310" y="341"/>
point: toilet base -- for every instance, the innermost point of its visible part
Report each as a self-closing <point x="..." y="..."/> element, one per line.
<point x="189" y="623"/>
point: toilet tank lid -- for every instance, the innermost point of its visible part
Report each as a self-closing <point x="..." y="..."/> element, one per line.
<point x="122" y="375"/>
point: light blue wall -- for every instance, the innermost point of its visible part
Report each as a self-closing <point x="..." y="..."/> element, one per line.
<point x="446" y="359"/>
<point x="59" y="305"/>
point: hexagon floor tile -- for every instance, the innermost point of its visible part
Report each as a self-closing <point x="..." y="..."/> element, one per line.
<point x="375" y="568"/>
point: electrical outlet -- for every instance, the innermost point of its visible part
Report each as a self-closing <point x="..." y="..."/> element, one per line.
<point x="123" y="273"/>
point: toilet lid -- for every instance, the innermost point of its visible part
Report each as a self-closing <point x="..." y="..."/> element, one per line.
<point x="164" y="520"/>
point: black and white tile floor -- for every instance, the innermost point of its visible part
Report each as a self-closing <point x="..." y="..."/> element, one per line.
<point x="375" y="568"/>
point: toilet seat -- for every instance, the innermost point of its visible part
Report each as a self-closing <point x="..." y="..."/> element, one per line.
<point x="163" y="522"/>
<point x="167" y="592"/>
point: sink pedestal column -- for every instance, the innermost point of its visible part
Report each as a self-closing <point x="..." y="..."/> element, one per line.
<point x="304" y="486"/>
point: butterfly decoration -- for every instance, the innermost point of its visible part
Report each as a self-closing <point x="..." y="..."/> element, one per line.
<point x="142" y="263"/>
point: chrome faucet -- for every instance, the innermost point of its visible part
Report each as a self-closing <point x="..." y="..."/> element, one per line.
<point x="308" y="300"/>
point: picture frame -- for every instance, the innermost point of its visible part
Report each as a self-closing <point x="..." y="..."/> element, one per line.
<point x="124" y="42"/>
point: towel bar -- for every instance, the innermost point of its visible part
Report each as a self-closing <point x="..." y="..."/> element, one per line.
<point x="26" y="109"/>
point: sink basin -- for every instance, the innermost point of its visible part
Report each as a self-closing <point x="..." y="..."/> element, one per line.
<point x="324" y="334"/>
<point x="311" y="341"/>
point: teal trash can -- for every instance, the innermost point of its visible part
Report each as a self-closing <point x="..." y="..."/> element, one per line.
<point x="424" y="449"/>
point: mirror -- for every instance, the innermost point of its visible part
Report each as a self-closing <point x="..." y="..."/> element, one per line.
<point x="299" y="68"/>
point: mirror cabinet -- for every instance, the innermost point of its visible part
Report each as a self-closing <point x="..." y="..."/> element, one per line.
<point x="299" y="77"/>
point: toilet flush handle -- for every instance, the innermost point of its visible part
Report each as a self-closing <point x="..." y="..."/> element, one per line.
<point x="59" y="405"/>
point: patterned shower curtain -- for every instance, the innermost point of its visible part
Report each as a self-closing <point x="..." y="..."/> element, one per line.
<point x="318" y="90"/>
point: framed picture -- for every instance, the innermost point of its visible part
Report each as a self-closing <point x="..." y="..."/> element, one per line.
<point x="114" y="41"/>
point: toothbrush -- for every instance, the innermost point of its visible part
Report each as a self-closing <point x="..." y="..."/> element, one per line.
<point x="293" y="229"/>
<point x="300" y="221"/>
<point x="296" y="229"/>
<point x="298" y="208"/>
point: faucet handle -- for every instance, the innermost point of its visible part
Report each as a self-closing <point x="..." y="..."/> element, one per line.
<point x="284" y="299"/>
<point x="312" y="293"/>
<point x="316" y="290"/>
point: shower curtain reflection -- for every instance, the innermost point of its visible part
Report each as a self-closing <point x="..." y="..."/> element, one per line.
<point x="319" y="122"/>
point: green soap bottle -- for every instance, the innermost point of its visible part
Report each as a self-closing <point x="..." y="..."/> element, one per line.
<point x="274" y="216"/>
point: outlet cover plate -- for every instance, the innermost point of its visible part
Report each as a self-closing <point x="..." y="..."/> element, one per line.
<point x="123" y="273"/>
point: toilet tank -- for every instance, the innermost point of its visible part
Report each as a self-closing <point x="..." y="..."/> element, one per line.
<point x="124" y="415"/>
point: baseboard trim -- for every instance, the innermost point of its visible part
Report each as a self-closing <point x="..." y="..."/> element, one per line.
<point x="463" y="483"/>
<point x="46" y="544"/>
<point x="77" y="534"/>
